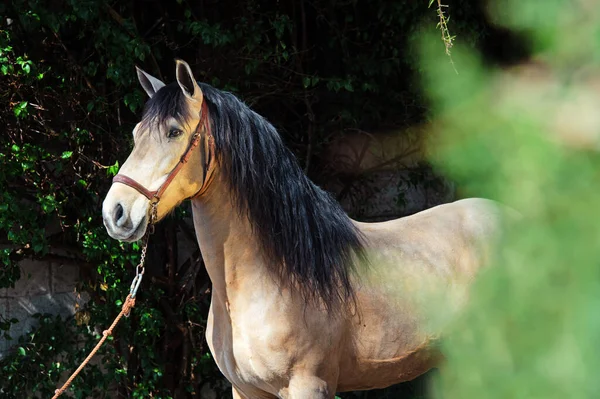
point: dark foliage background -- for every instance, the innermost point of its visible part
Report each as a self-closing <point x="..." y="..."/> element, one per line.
<point x="69" y="99"/>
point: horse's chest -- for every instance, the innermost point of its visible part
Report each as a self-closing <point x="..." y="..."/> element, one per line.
<point x="245" y="355"/>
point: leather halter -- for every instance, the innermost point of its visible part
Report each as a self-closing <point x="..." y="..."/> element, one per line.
<point x="209" y="146"/>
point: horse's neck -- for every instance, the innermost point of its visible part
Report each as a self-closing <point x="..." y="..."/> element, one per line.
<point x="226" y="240"/>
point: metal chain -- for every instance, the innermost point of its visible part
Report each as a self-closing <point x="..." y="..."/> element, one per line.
<point x="140" y="269"/>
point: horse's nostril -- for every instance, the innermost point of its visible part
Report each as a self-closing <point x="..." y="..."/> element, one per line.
<point x="118" y="213"/>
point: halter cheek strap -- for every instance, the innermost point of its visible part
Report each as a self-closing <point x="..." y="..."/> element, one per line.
<point x="208" y="167"/>
<point x="154" y="196"/>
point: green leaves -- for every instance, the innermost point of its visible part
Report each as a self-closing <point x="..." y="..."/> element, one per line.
<point x="113" y="169"/>
<point x="63" y="95"/>
<point x="337" y="85"/>
<point x="20" y="110"/>
<point x="134" y="100"/>
<point x="310" y="81"/>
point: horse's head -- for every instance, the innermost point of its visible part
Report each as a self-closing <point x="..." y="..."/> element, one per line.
<point x="171" y="158"/>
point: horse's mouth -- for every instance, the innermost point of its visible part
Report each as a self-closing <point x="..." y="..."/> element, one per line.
<point x="132" y="235"/>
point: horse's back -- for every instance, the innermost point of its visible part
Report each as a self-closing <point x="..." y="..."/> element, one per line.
<point x="454" y="238"/>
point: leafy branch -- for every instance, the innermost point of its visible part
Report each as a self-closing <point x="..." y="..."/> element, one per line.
<point x="442" y="25"/>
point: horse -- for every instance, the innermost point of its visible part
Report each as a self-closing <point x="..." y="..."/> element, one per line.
<point x="305" y="301"/>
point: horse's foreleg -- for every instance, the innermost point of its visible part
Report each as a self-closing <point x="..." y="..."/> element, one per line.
<point x="236" y="394"/>
<point x="308" y="387"/>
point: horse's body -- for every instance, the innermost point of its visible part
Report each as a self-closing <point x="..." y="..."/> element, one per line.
<point x="284" y="328"/>
<point x="261" y="336"/>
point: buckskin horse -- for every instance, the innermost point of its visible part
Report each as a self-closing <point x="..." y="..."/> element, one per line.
<point x="305" y="301"/>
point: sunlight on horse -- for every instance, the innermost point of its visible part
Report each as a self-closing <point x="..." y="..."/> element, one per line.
<point x="305" y="301"/>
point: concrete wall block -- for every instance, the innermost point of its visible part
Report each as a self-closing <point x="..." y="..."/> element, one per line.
<point x="35" y="280"/>
<point x="64" y="304"/>
<point x="63" y="277"/>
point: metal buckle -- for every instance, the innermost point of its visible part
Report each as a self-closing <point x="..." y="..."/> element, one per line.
<point x="135" y="284"/>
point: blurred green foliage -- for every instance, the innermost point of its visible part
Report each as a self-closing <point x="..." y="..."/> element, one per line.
<point x="528" y="137"/>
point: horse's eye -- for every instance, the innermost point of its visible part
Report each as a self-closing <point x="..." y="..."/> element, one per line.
<point x="174" y="133"/>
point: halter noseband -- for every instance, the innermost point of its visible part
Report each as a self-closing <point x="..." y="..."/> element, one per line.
<point x="154" y="196"/>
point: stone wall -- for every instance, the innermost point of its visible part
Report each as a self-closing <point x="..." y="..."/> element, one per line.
<point x="384" y="195"/>
<point x="44" y="287"/>
<point x="384" y="175"/>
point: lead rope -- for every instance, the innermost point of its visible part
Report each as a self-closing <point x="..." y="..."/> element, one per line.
<point x="127" y="306"/>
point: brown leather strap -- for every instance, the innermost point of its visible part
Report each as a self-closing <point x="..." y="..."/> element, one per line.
<point x="184" y="159"/>
<point x="209" y="149"/>
<point x="128" y="181"/>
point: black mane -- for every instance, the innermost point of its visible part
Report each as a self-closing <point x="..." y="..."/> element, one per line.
<point x="300" y="227"/>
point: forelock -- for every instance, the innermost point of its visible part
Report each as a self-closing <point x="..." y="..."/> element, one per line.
<point x="168" y="102"/>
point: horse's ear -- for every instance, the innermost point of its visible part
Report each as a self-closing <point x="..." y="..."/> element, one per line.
<point x="149" y="83"/>
<point x="186" y="81"/>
